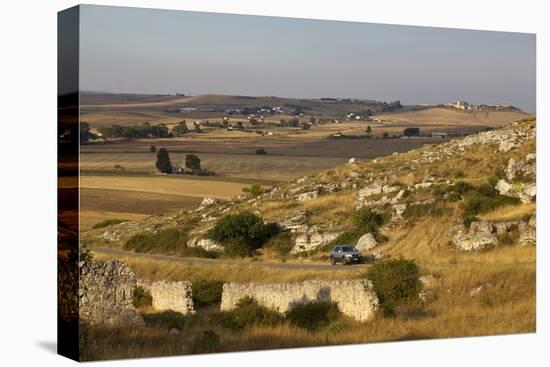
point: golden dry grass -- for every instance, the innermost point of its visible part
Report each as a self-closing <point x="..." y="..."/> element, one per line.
<point x="153" y="269"/>
<point x="509" y="213"/>
<point x="505" y="304"/>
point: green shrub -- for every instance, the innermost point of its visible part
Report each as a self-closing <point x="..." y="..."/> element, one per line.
<point x="395" y="281"/>
<point x="254" y="190"/>
<point x="165" y="319"/>
<point x="248" y="312"/>
<point x="459" y="174"/>
<point x="205" y="342"/>
<point x="282" y="243"/>
<point x="108" y="222"/>
<point x="367" y="220"/>
<point x="164" y="241"/>
<point x="206" y="293"/>
<point x="141" y="297"/>
<point x="484" y="199"/>
<point x="242" y="234"/>
<point x="313" y="315"/>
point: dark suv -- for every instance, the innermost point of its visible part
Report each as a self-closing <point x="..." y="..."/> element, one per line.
<point x="345" y="254"/>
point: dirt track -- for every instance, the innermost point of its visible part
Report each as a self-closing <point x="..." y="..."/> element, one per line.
<point x="195" y="261"/>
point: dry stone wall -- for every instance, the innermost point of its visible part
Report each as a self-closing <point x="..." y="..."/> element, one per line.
<point x="355" y="298"/>
<point x="105" y="293"/>
<point x="175" y="296"/>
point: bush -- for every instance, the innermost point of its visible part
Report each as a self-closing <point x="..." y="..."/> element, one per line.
<point x="165" y="319"/>
<point x="248" y="312"/>
<point x="260" y="151"/>
<point x="254" y="190"/>
<point x="206" y="293"/>
<point x="282" y="243"/>
<point x="164" y="241"/>
<point x="395" y="282"/>
<point x="108" y="222"/>
<point x="205" y="342"/>
<point x="485" y="198"/>
<point x="367" y="220"/>
<point x="141" y="297"/>
<point x="241" y="234"/>
<point x="192" y="162"/>
<point x="313" y="315"/>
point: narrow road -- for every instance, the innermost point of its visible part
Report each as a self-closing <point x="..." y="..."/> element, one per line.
<point x="115" y="252"/>
<point x="204" y="261"/>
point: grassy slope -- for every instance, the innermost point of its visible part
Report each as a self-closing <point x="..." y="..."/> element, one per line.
<point x="506" y="302"/>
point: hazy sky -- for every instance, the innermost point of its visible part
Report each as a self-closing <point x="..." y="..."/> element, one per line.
<point x="161" y="51"/>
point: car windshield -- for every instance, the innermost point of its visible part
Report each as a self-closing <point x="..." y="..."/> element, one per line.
<point x="347" y="248"/>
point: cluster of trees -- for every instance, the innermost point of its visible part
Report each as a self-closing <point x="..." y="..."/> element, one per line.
<point x="290" y="123"/>
<point x="392" y="106"/>
<point x="130" y="132"/>
<point x="192" y="163"/>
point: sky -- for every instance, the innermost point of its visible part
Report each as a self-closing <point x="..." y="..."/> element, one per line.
<point x="136" y="50"/>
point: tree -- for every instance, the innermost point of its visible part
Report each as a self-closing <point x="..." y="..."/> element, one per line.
<point x="181" y="128"/>
<point x="163" y="161"/>
<point x="241" y="233"/>
<point x="260" y="151"/>
<point x="239" y="125"/>
<point x="395" y="282"/>
<point x="254" y="190"/>
<point x="192" y="162"/>
<point x="153" y="149"/>
<point x="385" y="135"/>
<point x="369" y="130"/>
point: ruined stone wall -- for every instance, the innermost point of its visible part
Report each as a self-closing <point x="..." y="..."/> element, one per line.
<point x="105" y="293"/>
<point x="175" y="296"/>
<point x="355" y="298"/>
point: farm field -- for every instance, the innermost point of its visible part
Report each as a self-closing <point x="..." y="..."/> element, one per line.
<point x="447" y="116"/>
<point x="252" y="168"/>
<point x="163" y="185"/>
